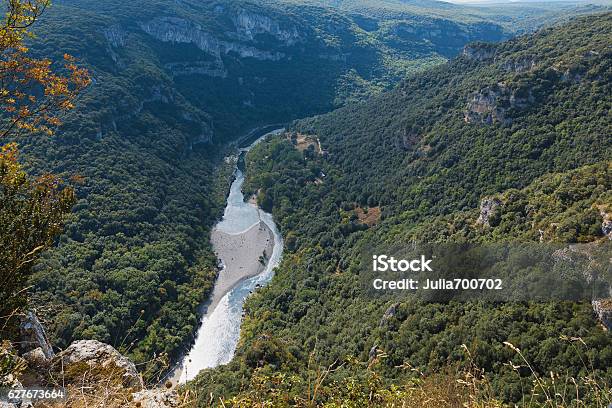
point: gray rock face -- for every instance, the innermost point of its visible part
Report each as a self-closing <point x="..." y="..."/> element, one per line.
<point x="603" y="310"/>
<point x="490" y="104"/>
<point x="33" y="336"/>
<point x="178" y="30"/>
<point x="482" y="107"/>
<point x="487" y="209"/>
<point x="606" y="224"/>
<point x="606" y="228"/>
<point x="249" y="25"/>
<point x="156" y="398"/>
<point x="478" y="52"/>
<point x="97" y="354"/>
<point x="524" y="64"/>
<point x="389" y="313"/>
<point x="115" y="35"/>
<point x="373" y="352"/>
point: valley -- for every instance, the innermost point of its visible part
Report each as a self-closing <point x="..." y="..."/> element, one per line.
<point x="436" y="178"/>
<point x="172" y="84"/>
<point x="249" y="247"/>
<point x="214" y="258"/>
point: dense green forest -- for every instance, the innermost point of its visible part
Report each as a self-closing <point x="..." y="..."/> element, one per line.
<point x="172" y="82"/>
<point x="525" y="125"/>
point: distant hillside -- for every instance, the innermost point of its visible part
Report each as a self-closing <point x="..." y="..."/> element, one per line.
<point x="235" y="60"/>
<point x="504" y="114"/>
<point x="507" y="142"/>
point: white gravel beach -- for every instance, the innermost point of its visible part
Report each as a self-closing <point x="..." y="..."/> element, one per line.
<point x="240" y="254"/>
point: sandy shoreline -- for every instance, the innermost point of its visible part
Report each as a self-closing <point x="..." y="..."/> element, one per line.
<point x="241" y="255"/>
<point x="248" y="245"/>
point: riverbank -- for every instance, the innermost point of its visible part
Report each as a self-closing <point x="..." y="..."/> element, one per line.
<point x="243" y="255"/>
<point x="249" y="246"/>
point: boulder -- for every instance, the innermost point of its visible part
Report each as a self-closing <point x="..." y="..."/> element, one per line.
<point x="36" y="358"/>
<point x="156" y="398"/>
<point x="99" y="356"/>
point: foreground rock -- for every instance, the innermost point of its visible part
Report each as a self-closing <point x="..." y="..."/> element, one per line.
<point x="94" y="374"/>
<point x="156" y="398"/>
<point x="100" y="357"/>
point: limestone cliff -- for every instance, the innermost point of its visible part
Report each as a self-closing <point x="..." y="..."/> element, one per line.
<point x="178" y="30"/>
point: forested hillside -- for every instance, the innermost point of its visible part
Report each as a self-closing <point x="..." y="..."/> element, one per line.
<point x="507" y="142"/>
<point x="171" y="83"/>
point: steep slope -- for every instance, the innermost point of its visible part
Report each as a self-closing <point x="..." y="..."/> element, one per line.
<point x="525" y="124"/>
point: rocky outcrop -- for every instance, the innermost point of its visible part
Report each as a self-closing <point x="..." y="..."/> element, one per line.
<point x="606" y="224"/>
<point x="389" y="313"/>
<point x="483" y="107"/>
<point x="519" y="65"/>
<point x="577" y="71"/>
<point x="178" y="30"/>
<point x="99" y="356"/>
<point x="373" y="352"/>
<point x="448" y="37"/>
<point x="127" y="108"/>
<point x="603" y="310"/>
<point x="487" y="209"/>
<point x="606" y="228"/>
<point x="248" y="25"/>
<point x="479" y="52"/>
<point x="115" y="35"/>
<point x="156" y="398"/>
<point x="408" y="139"/>
<point x="106" y="375"/>
<point x="490" y="104"/>
<point x="33" y="336"/>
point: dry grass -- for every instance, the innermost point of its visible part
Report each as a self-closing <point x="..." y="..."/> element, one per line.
<point x="468" y="387"/>
<point x="302" y="142"/>
<point x="369" y="216"/>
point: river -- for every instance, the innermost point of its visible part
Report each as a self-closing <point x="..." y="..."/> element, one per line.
<point x="238" y="240"/>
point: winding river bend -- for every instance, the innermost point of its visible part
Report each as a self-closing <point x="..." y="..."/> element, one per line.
<point x="249" y="246"/>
